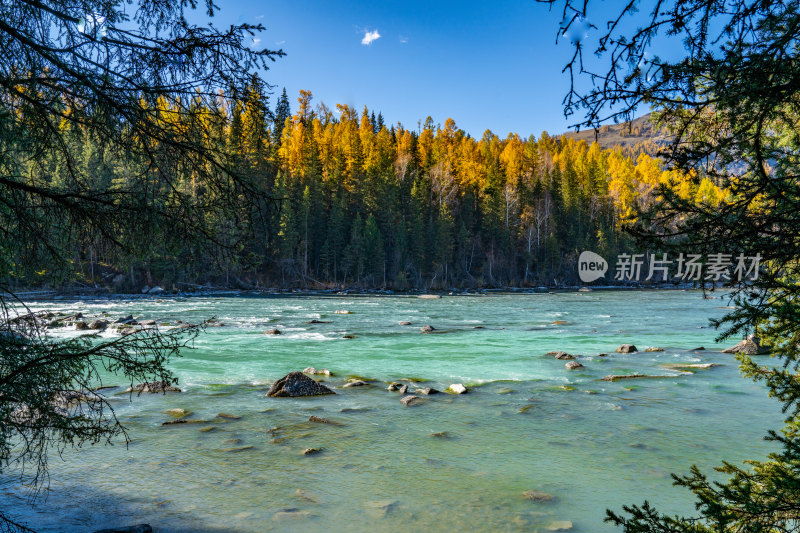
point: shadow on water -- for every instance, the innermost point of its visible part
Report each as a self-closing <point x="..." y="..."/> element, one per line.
<point x="83" y="508"/>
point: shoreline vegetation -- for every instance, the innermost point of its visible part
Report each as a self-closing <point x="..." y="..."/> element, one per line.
<point x="354" y="201"/>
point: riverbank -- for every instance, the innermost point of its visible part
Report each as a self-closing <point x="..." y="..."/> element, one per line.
<point x="100" y="294"/>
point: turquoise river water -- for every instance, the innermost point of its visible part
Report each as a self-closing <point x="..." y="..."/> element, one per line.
<point x="527" y="423"/>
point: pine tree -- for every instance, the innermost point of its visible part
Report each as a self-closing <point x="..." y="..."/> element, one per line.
<point x="282" y="112"/>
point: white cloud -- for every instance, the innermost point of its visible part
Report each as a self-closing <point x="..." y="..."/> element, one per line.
<point x="278" y="43"/>
<point x="370" y="36"/>
<point x="403" y="39"/>
<point x="259" y="17"/>
<point x="255" y="42"/>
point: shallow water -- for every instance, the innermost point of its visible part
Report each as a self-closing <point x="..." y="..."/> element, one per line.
<point x="527" y="423"/>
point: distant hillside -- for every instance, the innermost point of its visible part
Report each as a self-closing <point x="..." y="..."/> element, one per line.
<point x="626" y="135"/>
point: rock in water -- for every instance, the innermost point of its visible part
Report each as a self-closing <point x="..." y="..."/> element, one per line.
<point x="748" y="346"/>
<point x="563" y="356"/>
<point x="627" y="348"/>
<point x="427" y="391"/>
<point x="138" y="528"/>
<point x="572" y="365"/>
<point x="654" y="349"/>
<point x="296" y="384"/>
<point x="404" y="323"/>
<point x="98" y="324"/>
<point x="320" y="420"/>
<point x="154" y="387"/>
<point x="273" y="331"/>
<point x="427" y="329"/>
<point x="457" y="388"/>
<point x="410" y="400"/>
<point x="312" y="451"/>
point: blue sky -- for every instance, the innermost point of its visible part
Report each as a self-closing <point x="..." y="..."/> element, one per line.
<point x="488" y="65"/>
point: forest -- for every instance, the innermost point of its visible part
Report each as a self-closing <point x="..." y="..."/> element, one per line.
<point x="342" y="199"/>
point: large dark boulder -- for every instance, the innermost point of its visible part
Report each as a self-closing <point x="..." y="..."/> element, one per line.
<point x="297" y="384"/>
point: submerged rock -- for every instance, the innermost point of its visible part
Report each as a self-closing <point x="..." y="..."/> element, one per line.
<point x="654" y="349"/>
<point x="273" y="331"/>
<point x="183" y="421"/>
<point x="312" y="451"/>
<point x="296" y="384"/>
<point x="457" y="388"/>
<point x="380" y="508"/>
<point x="355" y="383"/>
<point x="537" y="496"/>
<point x="427" y="391"/>
<point x="229" y="416"/>
<point x="572" y="365"/>
<point x="320" y="420"/>
<point x="305" y="496"/>
<point x="238" y="449"/>
<point x="178" y="412"/>
<point x="627" y="348"/>
<point x="154" y="387"/>
<point x="313" y="371"/>
<point x="138" y="528"/>
<point x="427" y="329"/>
<point x="404" y="323"/>
<point x="291" y="514"/>
<point x="559" y="525"/>
<point x="632" y="376"/>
